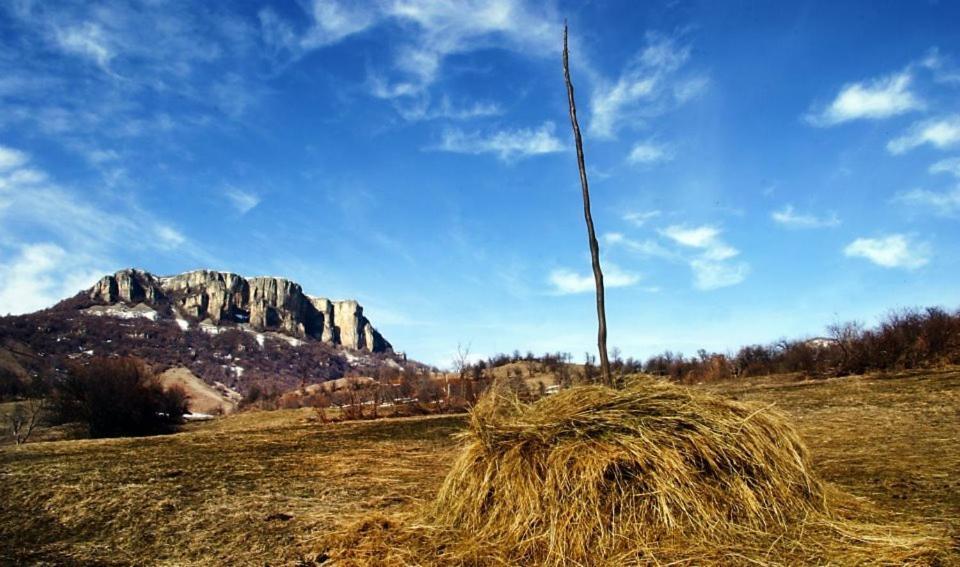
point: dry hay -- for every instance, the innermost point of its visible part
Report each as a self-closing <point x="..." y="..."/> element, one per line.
<point x="653" y="473"/>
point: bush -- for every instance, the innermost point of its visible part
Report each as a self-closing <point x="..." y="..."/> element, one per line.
<point x="904" y="339"/>
<point x="117" y="397"/>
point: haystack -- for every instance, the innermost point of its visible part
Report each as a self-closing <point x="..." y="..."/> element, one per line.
<point x="593" y="471"/>
<point x="653" y="473"/>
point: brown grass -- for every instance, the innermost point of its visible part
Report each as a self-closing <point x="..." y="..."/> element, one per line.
<point x="648" y="474"/>
<point x="253" y="488"/>
<point x="271" y="487"/>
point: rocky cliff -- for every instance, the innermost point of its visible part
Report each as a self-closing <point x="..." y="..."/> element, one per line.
<point x="259" y="303"/>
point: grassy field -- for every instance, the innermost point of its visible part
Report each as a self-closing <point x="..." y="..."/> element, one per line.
<point x="262" y="488"/>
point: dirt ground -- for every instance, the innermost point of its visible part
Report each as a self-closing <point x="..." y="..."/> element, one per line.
<point x="262" y="487"/>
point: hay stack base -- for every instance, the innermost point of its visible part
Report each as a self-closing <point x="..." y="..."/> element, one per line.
<point x="648" y="474"/>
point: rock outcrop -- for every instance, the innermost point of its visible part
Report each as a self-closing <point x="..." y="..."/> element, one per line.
<point x="262" y="303"/>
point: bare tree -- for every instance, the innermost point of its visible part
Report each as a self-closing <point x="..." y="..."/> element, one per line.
<point x="591" y="234"/>
<point x="846" y="336"/>
<point x="24" y="417"/>
<point x="461" y="363"/>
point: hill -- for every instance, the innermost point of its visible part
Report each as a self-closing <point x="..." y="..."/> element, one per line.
<point x="223" y="328"/>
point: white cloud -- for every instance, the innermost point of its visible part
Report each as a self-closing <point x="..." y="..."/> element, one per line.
<point x="276" y="32"/>
<point x="701" y="248"/>
<point x="169" y="236"/>
<point x="21" y="179"/>
<point x="891" y="251"/>
<point x="100" y="156"/>
<point x="645" y="248"/>
<point x="31" y="204"/>
<point x="649" y="152"/>
<point x="41" y="274"/>
<point x="422" y="109"/>
<point x="791" y="219"/>
<point x="86" y="40"/>
<point x="507" y="145"/>
<point x="647" y="87"/>
<point x="186" y="48"/>
<point x="242" y="200"/>
<point x="712" y="266"/>
<point x="949" y="165"/>
<point x="565" y="281"/>
<point x="943" y="70"/>
<point x="710" y="274"/>
<point x="234" y="95"/>
<point x="689" y="89"/>
<point x="446" y="28"/>
<point x="11" y="158"/>
<point x="333" y="21"/>
<point x="940" y="133"/>
<point x="696" y="237"/>
<point x="640" y="218"/>
<point x="433" y="31"/>
<point x="945" y="203"/>
<point x="875" y="99"/>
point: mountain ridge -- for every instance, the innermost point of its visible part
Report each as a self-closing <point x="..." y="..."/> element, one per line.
<point x="224" y="328"/>
<point x="265" y="303"/>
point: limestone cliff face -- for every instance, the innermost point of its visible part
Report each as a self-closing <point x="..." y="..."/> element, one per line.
<point x="263" y="303"/>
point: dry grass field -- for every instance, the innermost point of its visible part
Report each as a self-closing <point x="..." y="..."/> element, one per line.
<point x="264" y="487"/>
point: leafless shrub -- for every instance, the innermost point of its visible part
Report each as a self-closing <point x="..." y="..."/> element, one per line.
<point x="117" y="397"/>
<point x="24" y="417"/>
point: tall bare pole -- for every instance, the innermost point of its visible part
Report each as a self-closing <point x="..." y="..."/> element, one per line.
<point x="591" y="234"/>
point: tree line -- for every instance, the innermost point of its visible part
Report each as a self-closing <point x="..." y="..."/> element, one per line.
<point x="904" y="339"/>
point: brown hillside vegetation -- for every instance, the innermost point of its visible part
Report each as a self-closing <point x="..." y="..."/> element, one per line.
<point x="203" y="398"/>
<point x="271" y="487"/>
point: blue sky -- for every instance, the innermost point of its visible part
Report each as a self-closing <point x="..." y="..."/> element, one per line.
<point x="758" y="171"/>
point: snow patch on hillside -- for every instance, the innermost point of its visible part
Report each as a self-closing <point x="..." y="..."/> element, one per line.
<point x="209" y="328"/>
<point x="123" y="311"/>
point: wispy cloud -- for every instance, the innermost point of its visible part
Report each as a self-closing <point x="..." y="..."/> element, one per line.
<point x="88" y="40"/>
<point x="949" y="165"/>
<point x="566" y="282"/>
<point x="648" y="86"/>
<point x="243" y="201"/>
<point x="942" y="203"/>
<point x="508" y="145"/>
<point x="640" y="218"/>
<point x="433" y="31"/>
<point x="869" y="100"/>
<point x="421" y="108"/>
<point x="941" y="133"/>
<point x="944" y="70"/>
<point x="89" y="235"/>
<point x="180" y="55"/>
<point x="333" y="21"/>
<point x="890" y="251"/>
<point x="644" y="248"/>
<point x="39" y="275"/>
<point x="99" y="156"/>
<point x="696" y="237"/>
<point x="169" y="237"/>
<point x="713" y="266"/>
<point x="710" y="274"/>
<point x="649" y="152"/>
<point x="11" y="158"/>
<point x="789" y="218"/>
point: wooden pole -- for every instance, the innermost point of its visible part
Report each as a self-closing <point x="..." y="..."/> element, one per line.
<point x="591" y="234"/>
